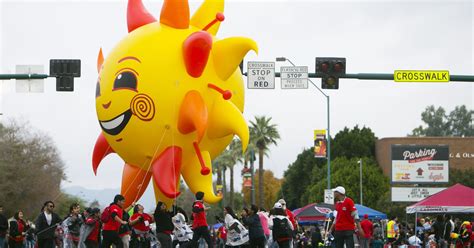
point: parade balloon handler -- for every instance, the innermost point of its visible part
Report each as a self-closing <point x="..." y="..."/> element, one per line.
<point x="200" y="229"/>
<point x="46" y="224"/>
<point x="112" y="220"/>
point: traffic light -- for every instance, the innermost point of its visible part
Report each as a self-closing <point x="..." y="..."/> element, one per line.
<point x="65" y="70"/>
<point x="330" y="70"/>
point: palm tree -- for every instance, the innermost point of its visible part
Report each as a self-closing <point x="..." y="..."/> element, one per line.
<point x="264" y="134"/>
<point x="220" y="165"/>
<point x="229" y="158"/>
<point x="249" y="155"/>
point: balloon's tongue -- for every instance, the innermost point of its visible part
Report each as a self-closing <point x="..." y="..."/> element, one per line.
<point x="166" y="171"/>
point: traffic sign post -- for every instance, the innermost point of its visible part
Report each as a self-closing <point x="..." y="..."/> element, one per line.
<point x="260" y="75"/>
<point x="328" y="196"/>
<point x="294" y="77"/>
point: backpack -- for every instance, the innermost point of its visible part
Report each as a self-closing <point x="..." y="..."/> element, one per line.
<point x="106" y="216"/>
<point x="282" y="229"/>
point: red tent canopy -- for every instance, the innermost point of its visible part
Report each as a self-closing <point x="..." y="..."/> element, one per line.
<point x="455" y="199"/>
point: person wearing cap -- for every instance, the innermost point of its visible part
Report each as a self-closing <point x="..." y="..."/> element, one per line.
<point x="282" y="230"/>
<point x="368" y="228"/>
<point x="346" y="219"/>
<point x="289" y="214"/>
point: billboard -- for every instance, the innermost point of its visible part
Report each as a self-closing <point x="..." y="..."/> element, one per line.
<point x="412" y="194"/>
<point x="420" y="163"/>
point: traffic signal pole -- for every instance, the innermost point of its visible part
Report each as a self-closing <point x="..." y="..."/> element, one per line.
<point x="64" y="70"/>
<point x="386" y="76"/>
<point x="22" y="76"/>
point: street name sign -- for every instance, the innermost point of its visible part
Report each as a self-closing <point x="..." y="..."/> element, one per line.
<point x="421" y="76"/>
<point x="260" y="75"/>
<point x="294" y="77"/>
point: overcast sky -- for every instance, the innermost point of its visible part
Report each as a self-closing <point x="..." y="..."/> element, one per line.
<point x="377" y="37"/>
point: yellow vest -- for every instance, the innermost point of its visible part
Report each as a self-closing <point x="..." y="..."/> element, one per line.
<point x="391" y="229"/>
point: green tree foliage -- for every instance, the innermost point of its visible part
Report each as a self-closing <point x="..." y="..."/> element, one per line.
<point x="464" y="177"/>
<point x="264" y="134"/>
<point x="345" y="172"/>
<point x="354" y="143"/>
<point x="299" y="176"/>
<point x="308" y="172"/>
<point x="31" y="169"/>
<point x="438" y="123"/>
<point x="460" y="121"/>
<point x="186" y="199"/>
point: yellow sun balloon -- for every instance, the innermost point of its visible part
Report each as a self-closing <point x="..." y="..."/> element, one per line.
<point x="169" y="99"/>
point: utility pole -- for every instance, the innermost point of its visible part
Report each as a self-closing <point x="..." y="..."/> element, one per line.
<point x="360" y="174"/>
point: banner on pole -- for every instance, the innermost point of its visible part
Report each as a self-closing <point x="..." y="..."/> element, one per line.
<point x="219" y="188"/>
<point x="247" y="182"/>
<point x="320" y="142"/>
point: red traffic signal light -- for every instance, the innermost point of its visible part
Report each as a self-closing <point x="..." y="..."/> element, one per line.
<point x="330" y="69"/>
<point x="339" y="67"/>
<point x="325" y="67"/>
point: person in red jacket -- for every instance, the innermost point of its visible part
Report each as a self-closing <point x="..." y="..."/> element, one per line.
<point x="111" y="228"/>
<point x="368" y="228"/>
<point x="18" y="229"/>
<point x="93" y="223"/>
<point x="199" y="222"/>
<point x="141" y="227"/>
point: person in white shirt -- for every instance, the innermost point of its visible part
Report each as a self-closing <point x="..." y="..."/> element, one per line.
<point x="237" y="235"/>
<point x="46" y="224"/>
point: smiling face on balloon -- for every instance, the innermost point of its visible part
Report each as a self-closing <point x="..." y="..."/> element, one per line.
<point x="125" y="81"/>
<point x="169" y="98"/>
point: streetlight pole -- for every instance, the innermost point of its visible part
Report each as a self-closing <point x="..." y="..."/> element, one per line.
<point x="328" y="122"/>
<point x="360" y="174"/>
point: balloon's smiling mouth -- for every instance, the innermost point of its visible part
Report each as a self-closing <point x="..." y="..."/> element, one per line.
<point x="117" y="124"/>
